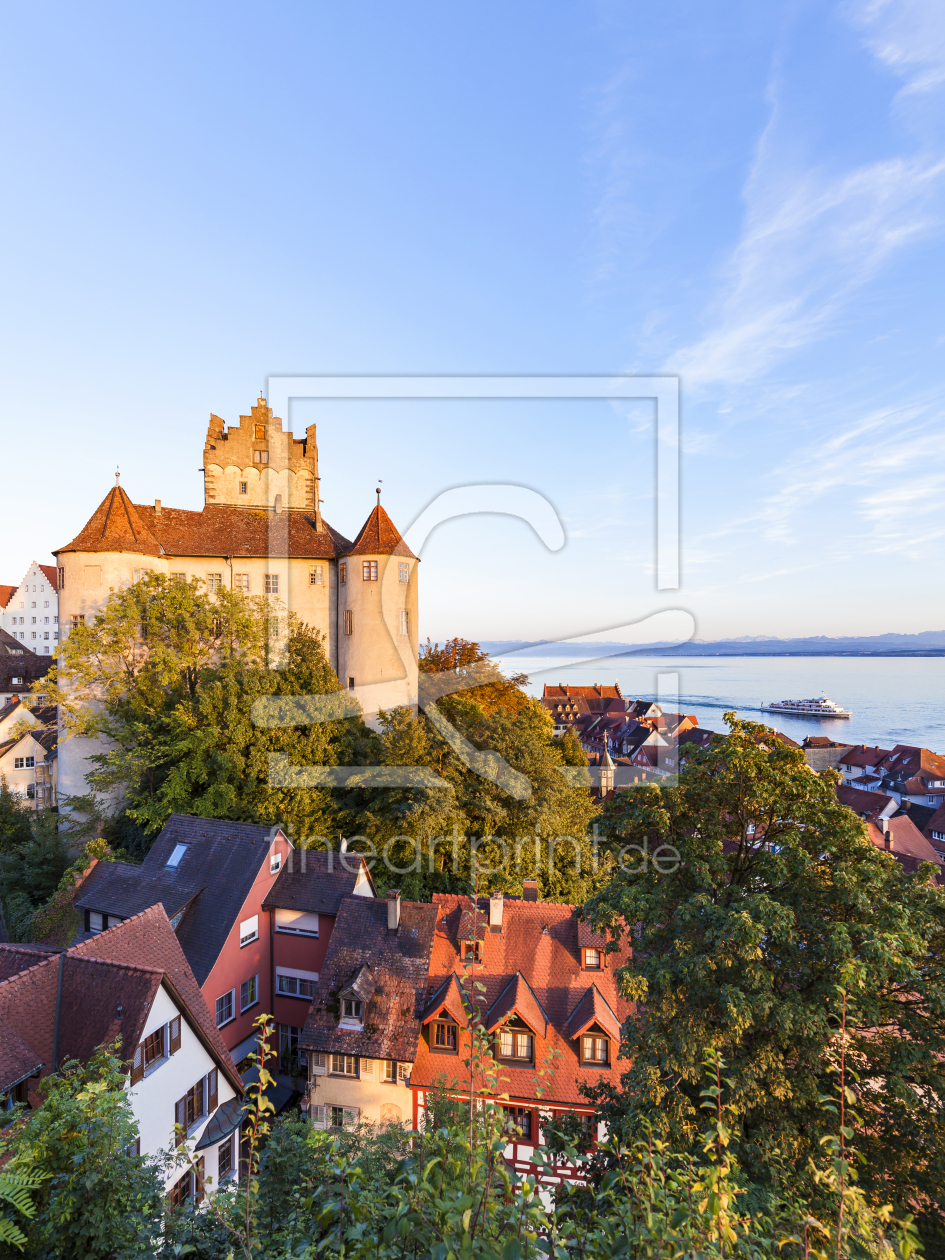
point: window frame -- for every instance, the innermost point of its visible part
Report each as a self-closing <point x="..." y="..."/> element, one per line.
<point x="316" y="575"/>
<point x="154" y="1041"/>
<point x="254" y="981"/>
<point x="354" y="1074"/>
<point x="368" y="570"/>
<point x="357" y="1012"/>
<point x="594" y="1062"/>
<point x="231" y="994"/>
<point x="270" y="583"/>
<point x="444" y="1027"/>
<point x="248" y="939"/>
<point x="244" y="487"/>
<point x="594" y="966"/>
<point x="343" y="572"/>
<point x="516" y="1034"/>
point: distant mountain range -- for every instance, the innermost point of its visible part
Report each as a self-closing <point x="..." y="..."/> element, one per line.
<point x="928" y="643"/>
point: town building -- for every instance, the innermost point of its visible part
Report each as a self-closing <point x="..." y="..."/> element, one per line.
<point x="260" y="531"/>
<point x="29" y="765"/>
<point x="132" y="984"/>
<point x="20" y="667"/>
<point x="30" y="612"/>
<point x="253" y="916"/>
<point x="398" y="997"/>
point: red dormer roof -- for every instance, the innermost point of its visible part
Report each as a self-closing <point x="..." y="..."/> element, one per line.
<point x="379" y="537"/>
<point x="517" y="998"/>
<point x="6" y="594"/>
<point x="51" y="574"/>
<point x="592" y="1009"/>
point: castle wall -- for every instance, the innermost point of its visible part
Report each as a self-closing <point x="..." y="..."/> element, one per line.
<point x="377" y="654"/>
<point x="258" y="455"/>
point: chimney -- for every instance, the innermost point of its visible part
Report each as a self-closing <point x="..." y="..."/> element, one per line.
<point x="342" y="845"/>
<point x="495" y="912"/>
<point x="277" y="506"/>
<point x="529" y="889"/>
<point x="157" y="507"/>
<point x="884" y="828"/>
<point x="393" y="910"/>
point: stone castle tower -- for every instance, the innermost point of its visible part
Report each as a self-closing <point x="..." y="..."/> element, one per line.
<point x="362" y="596"/>
<point x="254" y="464"/>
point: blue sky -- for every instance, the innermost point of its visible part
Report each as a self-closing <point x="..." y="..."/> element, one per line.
<point x="750" y="196"/>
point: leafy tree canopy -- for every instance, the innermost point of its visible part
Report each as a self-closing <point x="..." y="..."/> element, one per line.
<point x="739" y="947"/>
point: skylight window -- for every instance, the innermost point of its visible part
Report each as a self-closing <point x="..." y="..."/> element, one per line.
<point x="174" y="860"/>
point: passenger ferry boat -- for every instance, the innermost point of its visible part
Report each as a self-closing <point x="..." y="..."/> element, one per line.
<point x="821" y="708"/>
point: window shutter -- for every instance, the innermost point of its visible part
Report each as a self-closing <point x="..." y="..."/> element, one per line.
<point x="319" y="1117"/>
<point x="199" y="1178"/>
<point x="137" y="1065"/>
<point x="351" y="1116"/>
<point x="367" y="1069"/>
<point x="403" y="1072"/>
<point x="180" y="1119"/>
<point x="175" y="1035"/>
<point x="319" y="1064"/>
<point x="211" y="1091"/>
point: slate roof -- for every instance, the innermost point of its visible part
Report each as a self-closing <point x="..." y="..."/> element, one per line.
<point x="319" y="888"/>
<point x="398" y="963"/>
<point x="378" y="536"/>
<point x="538" y="943"/>
<point x="117" y="524"/>
<point x="120" y="888"/>
<point x="222" y="861"/>
<point x="108" y="986"/>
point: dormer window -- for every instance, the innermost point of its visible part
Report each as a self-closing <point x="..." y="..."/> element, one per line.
<point x="471" y="949"/>
<point x="595" y="1050"/>
<point x="516" y="1045"/>
<point x="174" y="860"/>
<point x="593" y="959"/>
<point x="351" y="1008"/>
<point x="443" y="1038"/>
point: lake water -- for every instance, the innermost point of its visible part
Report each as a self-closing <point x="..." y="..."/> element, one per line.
<point x="894" y="700"/>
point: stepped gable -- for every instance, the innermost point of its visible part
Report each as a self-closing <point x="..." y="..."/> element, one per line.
<point x="115" y="525"/>
<point x="379" y="537"/>
<point x="219" y="530"/>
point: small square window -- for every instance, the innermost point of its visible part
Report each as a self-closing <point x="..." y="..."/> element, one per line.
<point x="178" y="577"/>
<point x="30" y="762"/>
<point x="351" y="1008"/>
<point x="403" y="572"/>
<point x="593" y="959"/>
<point x="369" y="570"/>
<point x="344" y="1065"/>
<point x="259" y="433"/>
<point x="272" y="583"/>
<point x="444" y="1037"/>
<point x="96" y="922"/>
<point x="249" y="930"/>
<point x="243" y="487"/>
<point x="249" y="993"/>
<point x="214" y="581"/>
<point x="275" y="863"/>
<point x="241" y="582"/>
<point x="260" y="457"/>
<point x="316" y="575"/>
<point x="595" y="1050"/>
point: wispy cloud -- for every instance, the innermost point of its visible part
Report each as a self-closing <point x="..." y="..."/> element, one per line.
<point x="812" y="236"/>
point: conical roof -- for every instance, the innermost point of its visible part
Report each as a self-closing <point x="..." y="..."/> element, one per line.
<point x="379" y="537"/>
<point x="606" y="761"/>
<point x="115" y="525"/>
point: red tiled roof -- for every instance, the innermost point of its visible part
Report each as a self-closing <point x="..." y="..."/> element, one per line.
<point x="593" y="1009"/>
<point x="595" y="692"/>
<point x="17" y="1060"/>
<point x="217" y="530"/>
<point x="451" y="998"/>
<point x="935" y="823"/>
<point x="914" y="765"/>
<point x="861" y="755"/>
<point x="6" y="594"/>
<point x="51" y="574"/>
<point x="871" y="803"/>
<point x="904" y="837"/>
<point x="17" y="958"/>
<point x="148" y="940"/>
<point x="379" y="537"/>
<point x="538" y="944"/>
<point x="115" y="525"/>
<point x="517" y="998"/>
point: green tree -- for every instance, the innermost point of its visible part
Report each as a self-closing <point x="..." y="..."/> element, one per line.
<point x="31" y="865"/>
<point x="738" y="947"/>
<point x="95" y="1199"/>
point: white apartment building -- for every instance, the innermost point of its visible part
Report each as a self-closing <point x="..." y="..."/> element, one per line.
<point x="31" y="614"/>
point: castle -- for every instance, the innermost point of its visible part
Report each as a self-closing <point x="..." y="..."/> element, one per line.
<point x="261" y="531"/>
